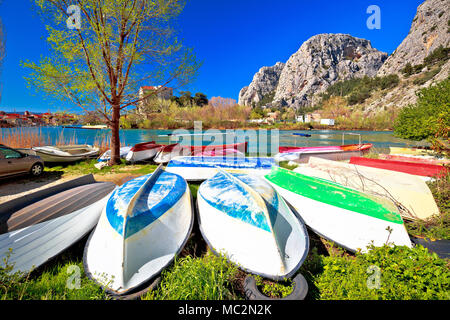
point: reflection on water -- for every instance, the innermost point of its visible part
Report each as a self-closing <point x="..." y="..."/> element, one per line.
<point x="260" y="140"/>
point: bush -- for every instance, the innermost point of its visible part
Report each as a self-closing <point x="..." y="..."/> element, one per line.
<point x="422" y="120"/>
<point x="404" y="274"/>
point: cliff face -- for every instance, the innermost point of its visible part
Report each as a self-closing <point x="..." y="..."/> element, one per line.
<point x="320" y="61"/>
<point x="429" y="30"/>
<point x="328" y="58"/>
<point x="264" y="83"/>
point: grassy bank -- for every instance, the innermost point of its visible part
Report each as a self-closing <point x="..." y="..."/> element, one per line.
<point x="332" y="273"/>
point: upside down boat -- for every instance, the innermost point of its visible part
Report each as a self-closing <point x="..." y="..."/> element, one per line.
<point x="302" y="154"/>
<point x="244" y="218"/>
<point x="345" y="216"/>
<point x="42" y="230"/>
<point x="202" y="168"/>
<point x="171" y="151"/>
<point x="144" y="225"/>
<point x="418" y="169"/>
<point x="143" y="151"/>
<point x="415" y="159"/>
<point x="410" y="192"/>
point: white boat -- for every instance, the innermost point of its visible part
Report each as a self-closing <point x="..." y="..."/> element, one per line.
<point x="70" y="153"/>
<point x="143" y="151"/>
<point x="244" y="218"/>
<point x="44" y="229"/>
<point x="145" y="224"/>
<point x="202" y="168"/>
<point x="409" y="191"/>
<point x="107" y="155"/>
<point x="348" y="217"/>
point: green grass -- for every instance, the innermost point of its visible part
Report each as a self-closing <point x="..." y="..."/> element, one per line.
<point x="87" y="167"/>
<point x="204" y="278"/>
<point x="273" y="289"/>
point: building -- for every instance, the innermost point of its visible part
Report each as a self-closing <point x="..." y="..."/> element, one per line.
<point x="161" y="92"/>
<point x="327" y="122"/>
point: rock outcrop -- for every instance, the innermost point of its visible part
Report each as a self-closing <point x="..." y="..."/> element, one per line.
<point x="429" y="30"/>
<point x="264" y="82"/>
<point x="320" y="62"/>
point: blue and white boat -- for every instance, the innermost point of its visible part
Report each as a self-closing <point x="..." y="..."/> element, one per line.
<point x="203" y="168"/>
<point x="244" y="218"/>
<point x="107" y="155"/>
<point x="145" y="223"/>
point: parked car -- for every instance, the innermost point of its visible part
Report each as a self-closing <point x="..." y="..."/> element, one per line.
<point x="13" y="162"/>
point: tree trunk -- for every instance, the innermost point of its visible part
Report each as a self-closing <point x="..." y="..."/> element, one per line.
<point x="115" y="137"/>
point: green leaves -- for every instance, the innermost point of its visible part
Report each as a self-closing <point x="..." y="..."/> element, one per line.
<point x="421" y="121"/>
<point x="404" y="274"/>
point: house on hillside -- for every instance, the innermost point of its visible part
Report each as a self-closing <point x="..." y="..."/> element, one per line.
<point x="160" y="92"/>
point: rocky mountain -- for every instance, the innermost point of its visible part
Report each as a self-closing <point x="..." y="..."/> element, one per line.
<point x="320" y="61"/>
<point x="429" y="30"/>
<point x="328" y="58"/>
<point x="264" y="82"/>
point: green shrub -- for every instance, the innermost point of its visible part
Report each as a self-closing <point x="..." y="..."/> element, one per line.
<point x="421" y="121"/>
<point x="427" y="76"/>
<point x="404" y="274"/>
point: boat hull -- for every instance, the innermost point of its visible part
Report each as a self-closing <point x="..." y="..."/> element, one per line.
<point x="66" y="154"/>
<point x="107" y="155"/>
<point x="415" y="159"/>
<point x="418" y="169"/>
<point x="41" y="231"/>
<point x="203" y="168"/>
<point x="335" y="153"/>
<point x="275" y="251"/>
<point x="123" y="262"/>
<point x="347" y="228"/>
<point x="409" y="191"/>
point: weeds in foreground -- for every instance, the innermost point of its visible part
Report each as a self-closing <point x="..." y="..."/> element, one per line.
<point x="436" y="227"/>
<point x="280" y="289"/>
<point x="205" y="278"/>
<point x="385" y="273"/>
<point x="60" y="281"/>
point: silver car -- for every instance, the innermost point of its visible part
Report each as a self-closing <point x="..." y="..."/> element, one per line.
<point x="13" y="162"/>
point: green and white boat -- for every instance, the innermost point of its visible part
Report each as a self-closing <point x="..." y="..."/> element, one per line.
<point x="348" y="217"/>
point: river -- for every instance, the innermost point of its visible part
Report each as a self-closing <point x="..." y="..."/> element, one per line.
<point x="261" y="139"/>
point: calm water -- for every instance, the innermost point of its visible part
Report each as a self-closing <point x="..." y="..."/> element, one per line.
<point x="258" y="139"/>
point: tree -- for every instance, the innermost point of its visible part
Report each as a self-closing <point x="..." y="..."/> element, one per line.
<point x="200" y="99"/>
<point x="429" y="118"/>
<point x="104" y="50"/>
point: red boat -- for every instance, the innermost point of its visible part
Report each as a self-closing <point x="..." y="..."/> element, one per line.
<point x="302" y="154"/>
<point x="143" y="151"/>
<point x="418" y="169"/>
<point x="426" y="160"/>
<point x="174" y="150"/>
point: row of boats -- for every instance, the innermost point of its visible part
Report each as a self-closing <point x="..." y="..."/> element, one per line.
<point x="250" y="209"/>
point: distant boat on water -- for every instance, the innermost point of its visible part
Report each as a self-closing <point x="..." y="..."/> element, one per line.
<point x="96" y="127"/>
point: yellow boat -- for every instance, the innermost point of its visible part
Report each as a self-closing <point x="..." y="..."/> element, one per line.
<point x="411" y="151"/>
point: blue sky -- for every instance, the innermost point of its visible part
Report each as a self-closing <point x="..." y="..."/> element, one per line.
<point x="232" y="38"/>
